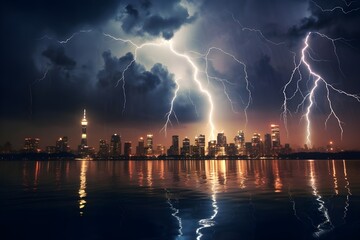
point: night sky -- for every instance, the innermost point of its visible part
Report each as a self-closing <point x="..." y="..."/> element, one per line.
<point x="47" y="81"/>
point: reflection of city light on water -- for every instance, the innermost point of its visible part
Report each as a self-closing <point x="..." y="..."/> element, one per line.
<point x="326" y="225"/>
<point x="82" y="189"/>
<point x="336" y="189"/>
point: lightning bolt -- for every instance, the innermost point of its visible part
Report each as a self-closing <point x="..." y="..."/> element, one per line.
<point x="259" y="32"/>
<point x="317" y="80"/>
<point x="200" y="87"/>
<point x="192" y="102"/>
<point x="223" y="81"/>
<point x="67" y="39"/>
<point x="185" y="57"/>
<point x="337" y="7"/>
<point x="171" y="110"/>
<point x="191" y="63"/>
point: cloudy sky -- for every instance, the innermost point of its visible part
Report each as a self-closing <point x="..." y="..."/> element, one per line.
<point x="61" y="57"/>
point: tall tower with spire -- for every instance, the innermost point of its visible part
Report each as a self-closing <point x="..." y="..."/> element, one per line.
<point x="83" y="130"/>
<point x="83" y="147"/>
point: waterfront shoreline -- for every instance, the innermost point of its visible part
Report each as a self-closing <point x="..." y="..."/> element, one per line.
<point x="348" y="155"/>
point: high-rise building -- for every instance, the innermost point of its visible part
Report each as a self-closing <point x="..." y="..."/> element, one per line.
<point x="248" y="149"/>
<point x="160" y="149"/>
<point x="149" y="144"/>
<point x="175" y="144"/>
<point x="212" y="148"/>
<point x="62" y="144"/>
<point x="115" y="145"/>
<point x="185" y="150"/>
<point x="31" y="145"/>
<point x="221" y="144"/>
<point x="240" y="142"/>
<point x="200" y="143"/>
<point x="231" y="150"/>
<point x="256" y="145"/>
<point x="267" y="144"/>
<point x="103" y="148"/>
<point x="174" y="148"/>
<point x="221" y="139"/>
<point x="275" y="138"/>
<point x="140" y="148"/>
<point x="127" y="148"/>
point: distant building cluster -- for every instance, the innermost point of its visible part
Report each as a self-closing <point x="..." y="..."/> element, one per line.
<point x="256" y="147"/>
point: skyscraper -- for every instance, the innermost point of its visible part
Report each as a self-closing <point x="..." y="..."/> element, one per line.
<point x="140" y="148"/>
<point x="103" y="148"/>
<point x="256" y="145"/>
<point x="201" y="144"/>
<point x="185" y="150"/>
<point x="221" y="144"/>
<point x="62" y="144"/>
<point x="240" y="142"/>
<point x="115" y="145"/>
<point x="267" y="144"/>
<point x="149" y="144"/>
<point x="127" y="148"/>
<point x="174" y="148"/>
<point x="221" y="139"/>
<point x="212" y="148"/>
<point x="275" y="138"/>
<point x="31" y="145"/>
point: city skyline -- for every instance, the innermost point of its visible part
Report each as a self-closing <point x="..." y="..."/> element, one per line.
<point x="181" y="68"/>
<point x="256" y="145"/>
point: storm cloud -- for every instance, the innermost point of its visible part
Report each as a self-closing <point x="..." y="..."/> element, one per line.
<point x="155" y="18"/>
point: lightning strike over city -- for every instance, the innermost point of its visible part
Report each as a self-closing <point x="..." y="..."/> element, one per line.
<point x="180" y="119"/>
<point x="317" y="79"/>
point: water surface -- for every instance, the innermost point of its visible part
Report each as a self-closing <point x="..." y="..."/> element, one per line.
<point x="209" y="199"/>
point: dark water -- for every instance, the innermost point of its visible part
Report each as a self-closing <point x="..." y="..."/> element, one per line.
<point x="217" y="199"/>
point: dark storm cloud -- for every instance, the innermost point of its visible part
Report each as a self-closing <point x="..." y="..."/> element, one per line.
<point x="57" y="56"/>
<point x="335" y="22"/>
<point x="148" y="92"/>
<point x="156" y="18"/>
<point x="22" y="24"/>
<point x="267" y="88"/>
<point x="61" y="16"/>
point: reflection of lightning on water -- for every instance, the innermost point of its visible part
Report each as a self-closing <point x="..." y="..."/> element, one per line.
<point x="209" y="222"/>
<point x="347" y="187"/>
<point x="292" y="200"/>
<point x="326" y="225"/>
<point x="175" y="212"/>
